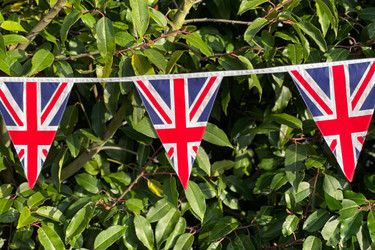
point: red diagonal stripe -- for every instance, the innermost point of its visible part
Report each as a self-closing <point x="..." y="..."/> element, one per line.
<point x="333" y="145"/>
<point x="364" y="85"/>
<point x="53" y="101"/>
<point x="154" y="102"/>
<point x="312" y="92"/>
<point x="202" y="97"/>
<point x="10" y="108"/>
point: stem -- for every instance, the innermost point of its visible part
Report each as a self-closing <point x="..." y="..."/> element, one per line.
<point x="95" y="148"/>
<point x="214" y="20"/>
<point x="182" y="12"/>
<point x="42" y="24"/>
<point x="141" y="175"/>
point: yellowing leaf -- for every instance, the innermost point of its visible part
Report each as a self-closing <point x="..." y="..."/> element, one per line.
<point x="155" y="187"/>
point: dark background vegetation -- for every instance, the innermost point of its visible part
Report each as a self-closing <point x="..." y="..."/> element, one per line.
<point x="263" y="178"/>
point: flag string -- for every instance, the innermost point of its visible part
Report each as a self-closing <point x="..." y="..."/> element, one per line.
<point x="270" y="70"/>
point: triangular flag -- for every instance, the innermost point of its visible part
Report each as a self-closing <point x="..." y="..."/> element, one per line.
<point x="32" y="112"/>
<point x="179" y="109"/>
<point x="341" y="100"/>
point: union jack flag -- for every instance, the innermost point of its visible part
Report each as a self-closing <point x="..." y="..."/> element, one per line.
<point x="32" y="113"/>
<point x="341" y="101"/>
<point x="179" y="109"/>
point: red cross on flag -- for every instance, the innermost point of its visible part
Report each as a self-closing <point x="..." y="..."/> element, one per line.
<point x="32" y="113"/>
<point x="341" y="101"/>
<point x="179" y="109"/>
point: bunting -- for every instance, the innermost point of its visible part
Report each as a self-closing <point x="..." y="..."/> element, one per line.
<point x="179" y="109"/>
<point x="32" y="113"/>
<point x="339" y="95"/>
<point x="341" y="100"/>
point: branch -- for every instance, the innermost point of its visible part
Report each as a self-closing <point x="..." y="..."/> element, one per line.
<point x="181" y="14"/>
<point x="42" y="24"/>
<point x="214" y="20"/>
<point x="95" y="148"/>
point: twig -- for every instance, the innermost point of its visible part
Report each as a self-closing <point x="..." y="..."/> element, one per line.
<point x="125" y="150"/>
<point x="226" y="54"/>
<point x="215" y="20"/>
<point x="42" y="24"/>
<point x="312" y="193"/>
<point x="277" y="7"/>
<point x="95" y="148"/>
<point x="141" y="175"/>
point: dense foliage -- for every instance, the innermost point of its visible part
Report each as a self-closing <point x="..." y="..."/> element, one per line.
<point x="264" y="178"/>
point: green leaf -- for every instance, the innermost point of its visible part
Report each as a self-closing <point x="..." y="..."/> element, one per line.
<point x="278" y="181"/>
<point x="41" y="60"/>
<point x="196" y="199"/>
<point x="312" y="243"/>
<point x="74" y="144"/>
<point x="203" y="161"/>
<point x="140" y="16"/>
<point x="124" y="39"/>
<point x="144" y="231"/>
<point x="196" y="41"/>
<point x="358" y="198"/>
<point x="349" y="209"/>
<point x="170" y="192"/>
<point x="158" y="17"/>
<point x="109" y="236"/>
<point x="68" y="22"/>
<point x="88" y="182"/>
<point x="331" y="231"/>
<point x="371" y="224"/>
<point x="79" y="222"/>
<point x="51" y="213"/>
<point x="249" y="5"/>
<point x="166" y="225"/>
<point x="290" y="225"/>
<point x="142" y="154"/>
<point x="36" y="199"/>
<point x="332" y="187"/>
<point x="12" y="26"/>
<point x="184" y="242"/>
<point x="156" y="58"/>
<point x="220" y="166"/>
<point x="25" y="218"/>
<point x="222" y="228"/>
<point x="135" y="205"/>
<point x="327" y="15"/>
<point x="216" y="136"/>
<point x="178" y="230"/>
<point x="106" y="38"/>
<point x="49" y="238"/>
<point x="368" y="14"/>
<point x="302" y="192"/>
<point x="5" y="190"/>
<point x="286" y="119"/>
<point x="13" y="39"/>
<point x="316" y="220"/>
<point x="158" y="211"/>
<point x="295" y="53"/>
<point x="141" y="66"/>
<point x="254" y="28"/>
<point x="176" y="55"/>
<point x="314" y="33"/>
<point x="350" y="226"/>
<point x="294" y="156"/>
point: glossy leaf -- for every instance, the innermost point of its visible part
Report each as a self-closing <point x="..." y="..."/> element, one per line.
<point x="216" y="136"/>
<point x="49" y="238"/>
<point x="144" y="231"/>
<point x="109" y="236"/>
<point x="196" y="199"/>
